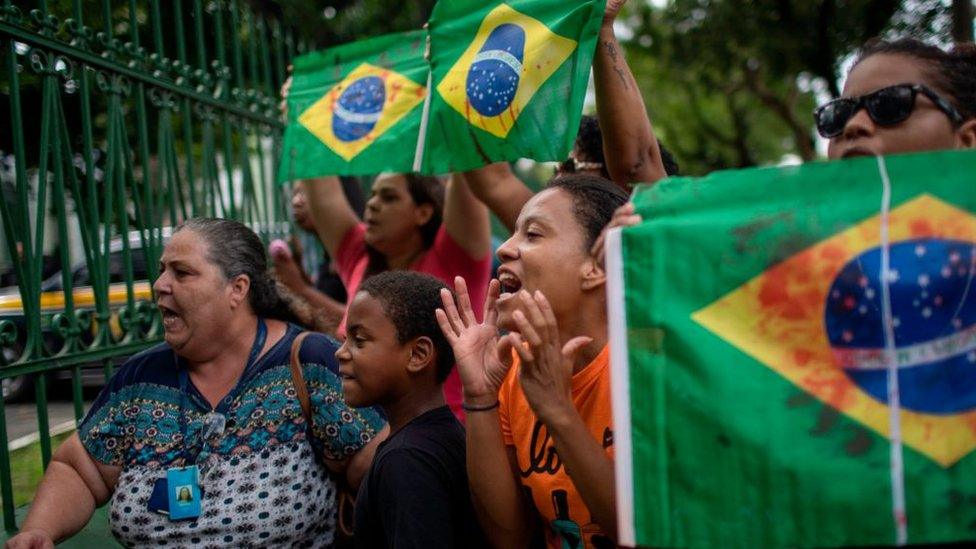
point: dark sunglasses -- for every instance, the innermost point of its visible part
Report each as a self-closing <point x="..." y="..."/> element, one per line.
<point x="886" y="107"/>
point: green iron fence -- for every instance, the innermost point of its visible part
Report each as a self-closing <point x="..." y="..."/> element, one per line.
<point x="124" y="119"/>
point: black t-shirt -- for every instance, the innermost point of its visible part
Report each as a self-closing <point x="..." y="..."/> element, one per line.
<point x="416" y="491"/>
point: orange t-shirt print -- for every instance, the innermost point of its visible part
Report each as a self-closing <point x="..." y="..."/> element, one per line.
<point x="569" y="523"/>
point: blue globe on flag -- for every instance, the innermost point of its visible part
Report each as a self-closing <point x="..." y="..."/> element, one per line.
<point x="496" y="71"/>
<point x="933" y="318"/>
<point x="359" y="108"/>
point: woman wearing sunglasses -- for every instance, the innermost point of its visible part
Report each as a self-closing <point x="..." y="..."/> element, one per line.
<point x="903" y="96"/>
<point x="201" y="440"/>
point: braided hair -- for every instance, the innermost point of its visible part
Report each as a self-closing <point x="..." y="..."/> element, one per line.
<point x="952" y="72"/>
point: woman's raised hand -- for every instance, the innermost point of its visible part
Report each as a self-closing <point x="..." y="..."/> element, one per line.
<point x="546" y="365"/>
<point x="482" y="360"/>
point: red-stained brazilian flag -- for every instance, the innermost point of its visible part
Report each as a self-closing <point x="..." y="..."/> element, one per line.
<point x="355" y="109"/>
<point x="508" y="80"/>
<point x="759" y="320"/>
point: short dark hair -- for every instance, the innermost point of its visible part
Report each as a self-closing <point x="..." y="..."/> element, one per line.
<point x="594" y="201"/>
<point x="952" y="72"/>
<point x="409" y="300"/>
<point x="237" y="250"/>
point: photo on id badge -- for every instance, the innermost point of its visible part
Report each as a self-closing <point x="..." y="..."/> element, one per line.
<point x="184" y="492"/>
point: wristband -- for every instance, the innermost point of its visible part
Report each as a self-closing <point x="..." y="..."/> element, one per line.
<point x="469" y="408"/>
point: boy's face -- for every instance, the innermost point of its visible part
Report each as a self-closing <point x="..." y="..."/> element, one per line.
<point x="371" y="360"/>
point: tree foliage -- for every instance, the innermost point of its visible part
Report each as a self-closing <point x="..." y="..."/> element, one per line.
<point x="732" y="83"/>
<point x="330" y="22"/>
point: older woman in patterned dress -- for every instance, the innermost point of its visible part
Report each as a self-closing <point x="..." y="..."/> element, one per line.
<point x="218" y="395"/>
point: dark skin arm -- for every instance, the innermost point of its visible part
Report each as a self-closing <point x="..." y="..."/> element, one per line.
<point x="330" y="211"/>
<point x="629" y="145"/>
<point x="499" y="189"/>
<point x="466" y="218"/>
<point x="483" y="361"/>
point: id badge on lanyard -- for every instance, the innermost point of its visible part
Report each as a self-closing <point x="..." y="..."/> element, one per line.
<point x="179" y="494"/>
<point x="183" y="492"/>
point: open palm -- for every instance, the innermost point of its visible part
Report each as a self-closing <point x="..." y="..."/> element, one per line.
<point x="476" y="345"/>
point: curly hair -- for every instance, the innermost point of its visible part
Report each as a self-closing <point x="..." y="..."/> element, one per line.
<point x="952" y="72"/>
<point x="409" y="300"/>
<point x="594" y="201"/>
<point x="237" y="250"/>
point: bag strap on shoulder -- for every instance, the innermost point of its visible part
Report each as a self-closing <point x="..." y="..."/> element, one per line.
<point x="298" y="379"/>
<point x="346" y="500"/>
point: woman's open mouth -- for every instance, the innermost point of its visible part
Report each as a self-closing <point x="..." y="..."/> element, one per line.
<point x="508" y="283"/>
<point x="170" y="317"/>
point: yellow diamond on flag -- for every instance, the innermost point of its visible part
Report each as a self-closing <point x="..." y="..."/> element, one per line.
<point x="781" y="319"/>
<point x="360" y="108"/>
<point x="509" y="59"/>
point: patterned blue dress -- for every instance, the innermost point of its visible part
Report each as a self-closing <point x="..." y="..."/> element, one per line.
<point x="262" y="482"/>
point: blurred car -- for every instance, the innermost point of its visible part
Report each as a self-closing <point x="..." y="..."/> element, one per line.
<point x="83" y="294"/>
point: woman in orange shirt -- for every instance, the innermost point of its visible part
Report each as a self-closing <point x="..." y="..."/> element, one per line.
<point x="539" y="432"/>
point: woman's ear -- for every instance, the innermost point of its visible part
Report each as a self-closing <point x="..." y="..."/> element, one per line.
<point x="423" y="213"/>
<point x="592" y="275"/>
<point x="240" y="285"/>
<point x="966" y="134"/>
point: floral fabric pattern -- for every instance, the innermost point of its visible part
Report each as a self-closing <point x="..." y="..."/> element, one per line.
<point x="266" y="454"/>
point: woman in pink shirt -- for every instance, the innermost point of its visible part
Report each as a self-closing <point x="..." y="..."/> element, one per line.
<point x="412" y="222"/>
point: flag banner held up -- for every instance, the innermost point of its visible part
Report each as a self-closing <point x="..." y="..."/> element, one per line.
<point x="509" y="79"/>
<point x="355" y="109"/>
<point x="759" y="318"/>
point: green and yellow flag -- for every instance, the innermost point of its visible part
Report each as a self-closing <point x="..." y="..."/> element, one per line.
<point x="355" y="109"/>
<point x="794" y="356"/>
<point x="509" y="80"/>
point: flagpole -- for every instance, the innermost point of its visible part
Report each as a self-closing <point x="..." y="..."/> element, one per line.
<point x="418" y="158"/>
<point x="620" y="389"/>
<point x="896" y="464"/>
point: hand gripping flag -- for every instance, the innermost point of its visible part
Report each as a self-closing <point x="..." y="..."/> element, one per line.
<point x="509" y="80"/>
<point x="355" y="109"/>
<point x="794" y="356"/>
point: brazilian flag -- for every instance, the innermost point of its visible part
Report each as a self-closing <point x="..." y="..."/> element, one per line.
<point x="355" y="109"/>
<point x="794" y="356"/>
<point x="509" y="80"/>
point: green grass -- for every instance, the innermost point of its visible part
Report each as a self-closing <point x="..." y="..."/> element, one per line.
<point x="26" y="470"/>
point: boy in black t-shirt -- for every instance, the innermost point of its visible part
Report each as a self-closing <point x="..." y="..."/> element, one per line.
<point x="395" y="356"/>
